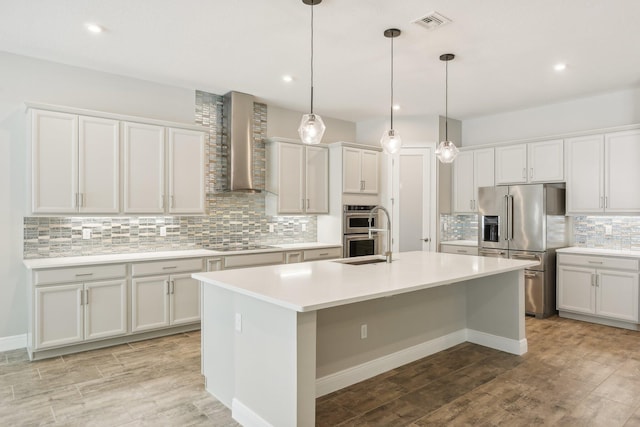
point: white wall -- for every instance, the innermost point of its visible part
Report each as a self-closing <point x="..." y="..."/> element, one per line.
<point x="412" y="129"/>
<point x="577" y="115"/>
<point x="284" y="123"/>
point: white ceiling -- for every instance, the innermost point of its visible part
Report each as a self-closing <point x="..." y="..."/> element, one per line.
<point x="505" y="49"/>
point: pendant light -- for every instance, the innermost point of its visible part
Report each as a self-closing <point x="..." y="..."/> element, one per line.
<point x="391" y="141"/>
<point x="311" y="127"/>
<point x="446" y="151"/>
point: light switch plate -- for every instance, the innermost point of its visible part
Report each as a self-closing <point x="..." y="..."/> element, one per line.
<point x="304" y="227"/>
<point x="271" y="228"/>
<point x="163" y="231"/>
<point x="608" y="230"/>
<point x="86" y="233"/>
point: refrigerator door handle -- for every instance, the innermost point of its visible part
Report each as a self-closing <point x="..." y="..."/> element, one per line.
<point x="511" y="218"/>
<point x="505" y="225"/>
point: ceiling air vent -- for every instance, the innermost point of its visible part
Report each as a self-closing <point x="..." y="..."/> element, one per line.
<point x="432" y="20"/>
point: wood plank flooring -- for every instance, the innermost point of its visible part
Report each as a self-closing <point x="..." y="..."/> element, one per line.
<point x="575" y="374"/>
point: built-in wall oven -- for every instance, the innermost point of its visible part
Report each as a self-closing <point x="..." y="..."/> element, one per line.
<point x="355" y="226"/>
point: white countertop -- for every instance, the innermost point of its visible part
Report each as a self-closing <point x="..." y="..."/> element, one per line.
<point x="597" y="251"/>
<point x="322" y="284"/>
<point x="473" y="243"/>
<point x="37" y="263"/>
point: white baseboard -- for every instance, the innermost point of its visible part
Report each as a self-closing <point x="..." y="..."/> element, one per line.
<point x="14" y="342"/>
<point x="347" y="377"/>
<point x="518" y="347"/>
<point x="245" y="416"/>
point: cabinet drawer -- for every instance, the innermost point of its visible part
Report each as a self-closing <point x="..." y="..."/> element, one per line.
<point x="252" y="260"/>
<point x="595" y="261"/>
<point x="456" y="249"/>
<point x="325" y="253"/>
<point x="166" y="267"/>
<point x="79" y="274"/>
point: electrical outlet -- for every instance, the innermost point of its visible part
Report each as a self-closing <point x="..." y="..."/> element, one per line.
<point x="304" y="227"/>
<point x="86" y="233"/>
<point x="363" y="331"/>
<point x="608" y="230"/>
<point x="271" y="228"/>
<point x="163" y="231"/>
<point x="238" y="322"/>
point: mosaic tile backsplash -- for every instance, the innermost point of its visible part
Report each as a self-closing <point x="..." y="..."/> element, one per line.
<point x="591" y="232"/>
<point x="458" y="227"/>
<point x="234" y="220"/>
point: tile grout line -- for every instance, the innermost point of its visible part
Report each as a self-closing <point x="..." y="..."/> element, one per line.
<point x="54" y="414"/>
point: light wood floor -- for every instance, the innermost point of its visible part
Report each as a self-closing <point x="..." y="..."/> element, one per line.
<point x="574" y="374"/>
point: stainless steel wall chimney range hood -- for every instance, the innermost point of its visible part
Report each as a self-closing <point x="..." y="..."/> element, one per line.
<point x="238" y="117"/>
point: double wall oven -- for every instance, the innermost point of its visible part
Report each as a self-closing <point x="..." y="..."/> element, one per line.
<point x="355" y="228"/>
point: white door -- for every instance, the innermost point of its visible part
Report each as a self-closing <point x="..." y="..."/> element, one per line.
<point x="622" y="172"/>
<point x="105" y="309"/>
<point x="98" y="165"/>
<point x="54" y="162"/>
<point x="546" y="161"/>
<point x="143" y="168"/>
<point x="463" y="187"/>
<point x="351" y="168"/>
<point x="413" y="219"/>
<point x="186" y="171"/>
<point x="585" y="174"/>
<point x="149" y="303"/>
<point x="576" y="289"/>
<point x="617" y="295"/>
<point x="58" y="315"/>
<point x="317" y="180"/>
<point x="511" y="164"/>
<point x="369" y="171"/>
<point x="291" y="179"/>
<point x="185" y="299"/>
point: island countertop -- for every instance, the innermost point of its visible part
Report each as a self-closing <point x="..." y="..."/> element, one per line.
<point x="322" y="284"/>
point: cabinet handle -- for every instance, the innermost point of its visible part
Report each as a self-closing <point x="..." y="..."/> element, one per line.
<point x="169" y="267"/>
<point x="81" y="297"/>
<point x="84" y="274"/>
<point x="81" y="199"/>
<point x="606" y="202"/>
<point x="362" y="185"/>
<point x="593" y="280"/>
<point x="162" y="201"/>
<point x="470" y="204"/>
<point x="531" y="173"/>
<point x="597" y="280"/>
<point x="594" y="262"/>
<point x="75" y="203"/>
<point x="324" y="254"/>
<point x="166" y="284"/>
<point x="86" y="297"/>
<point x="524" y="173"/>
<point x="171" y="199"/>
<point x="461" y="251"/>
<point x="474" y="204"/>
<point x="307" y="203"/>
<point x="172" y="287"/>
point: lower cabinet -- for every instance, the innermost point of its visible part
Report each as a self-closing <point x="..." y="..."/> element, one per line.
<point x="458" y="249"/>
<point x="75" y="312"/>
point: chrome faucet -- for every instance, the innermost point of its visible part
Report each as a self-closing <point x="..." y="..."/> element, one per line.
<point x="387" y="254"/>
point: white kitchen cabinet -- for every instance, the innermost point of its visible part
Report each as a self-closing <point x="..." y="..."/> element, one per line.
<point x="360" y="170"/>
<point x="530" y="163"/>
<point x="184" y="299"/>
<point x="471" y="170"/>
<point x="105" y="309"/>
<point x="598" y="287"/>
<point x="75" y="163"/>
<point x="297" y="179"/>
<point x="600" y="169"/>
<point x="186" y="171"/>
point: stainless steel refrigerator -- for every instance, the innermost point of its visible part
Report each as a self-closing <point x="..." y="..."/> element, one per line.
<point x="526" y="222"/>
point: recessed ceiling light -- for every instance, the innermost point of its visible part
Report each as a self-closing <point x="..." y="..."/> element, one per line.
<point x="560" y="67"/>
<point x="94" y="28"/>
<point x="396" y="107"/>
<point x="287" y="78"/>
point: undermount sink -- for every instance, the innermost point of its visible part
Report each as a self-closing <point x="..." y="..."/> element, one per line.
<point x="359" y="261"/>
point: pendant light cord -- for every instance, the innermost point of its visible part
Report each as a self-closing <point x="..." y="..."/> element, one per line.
<point x="311" y="57"/>
<point x="446" y="100"/>
<point x="392" y="83"/>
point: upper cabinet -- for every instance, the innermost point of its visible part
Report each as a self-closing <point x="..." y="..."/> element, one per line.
<point x="530" y="163"/>
<point x="471" y="170"/>
<point x="297" y="178"/>
<point x="360" y="170"/>
<point x="77" y="166"/>
<point x="601" y="172"/>
<point x="74" y="163"/>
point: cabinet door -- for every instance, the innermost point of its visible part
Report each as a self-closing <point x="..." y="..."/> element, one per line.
<point x="511" y="164"/>
<point x="617" y="295"/>
<point x="463" y="187"/>
<point x="98" y="165"/>
<point x="546" y="161"/>
<point x="622" y="172"/>
<point x="317" y="180"/>
<point x="369" y="171"/>
<point x="351" y="169"/>
<point x="291" y="179"/>
<point x="585" y="174"/>
<point x="143" y="168"/>
<point x="149" y="303"/>
<point x="292" y="257"/>
<point x="185" y="299"/>
<point x="576" y="289"/>
<point x="58" y="315"/>
<point x="105" y="309"/>
<point x="54" y="162"/>
<point x="186" y="171"/>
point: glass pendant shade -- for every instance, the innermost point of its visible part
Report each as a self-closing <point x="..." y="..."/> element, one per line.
<point x="311" y="129"/>
<point x="391" y="142"/>
<point x="446" y="151"/>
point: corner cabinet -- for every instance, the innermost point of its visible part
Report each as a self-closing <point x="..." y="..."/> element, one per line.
<point x="471" y="170"/>
<point x="600" y="172"/>
<point x="297" y="178"/>
<point x="360" y="170"/>
<point x="535" y="162"/>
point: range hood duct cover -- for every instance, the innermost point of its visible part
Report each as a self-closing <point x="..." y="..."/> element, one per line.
<point x="238" y="116"/>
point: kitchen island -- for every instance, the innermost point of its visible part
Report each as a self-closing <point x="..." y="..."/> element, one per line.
<point x="274" y="338"/>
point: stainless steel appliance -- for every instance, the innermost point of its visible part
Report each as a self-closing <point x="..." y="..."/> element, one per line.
<point x="355" y="228"/>
<point x="525" y="222"/>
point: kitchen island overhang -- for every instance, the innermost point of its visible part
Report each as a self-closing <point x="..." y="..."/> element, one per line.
<point x="276" y="337"/>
